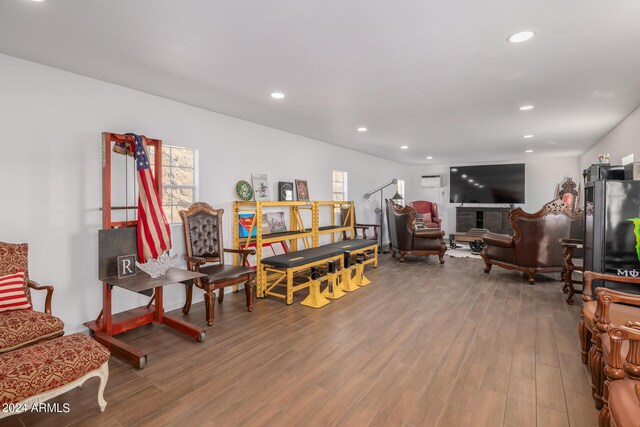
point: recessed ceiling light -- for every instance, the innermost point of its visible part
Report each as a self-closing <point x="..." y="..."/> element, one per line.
<point x="526" y="108"/>
<point x="362" y="129"/>
<point x="521" y="36"/>
<point x="528" y="136"/>
<point x="464" y="175"/>
<point x="481" y="186"/>
<point x="529" y="151"/>
<point x="277" y="95"/>
<point x="431" y="157"/>
<point x="404" y="147"/>
<point x="470" y="180"/>
<point x="454" y="169"/>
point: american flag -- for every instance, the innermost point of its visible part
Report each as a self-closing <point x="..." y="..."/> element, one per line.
<point x="154" y="236"/>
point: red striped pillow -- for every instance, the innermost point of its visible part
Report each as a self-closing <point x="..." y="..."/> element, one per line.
<point x="12" y="295"/>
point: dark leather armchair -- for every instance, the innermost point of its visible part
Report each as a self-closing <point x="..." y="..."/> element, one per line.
<point x="426" y="213"/>
<point x="535" y="247"/>
<point x="406" y="239"/>
<point x="203" y="241"/>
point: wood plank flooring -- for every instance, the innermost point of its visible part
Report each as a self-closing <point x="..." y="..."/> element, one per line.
<point x="424" y="345"/>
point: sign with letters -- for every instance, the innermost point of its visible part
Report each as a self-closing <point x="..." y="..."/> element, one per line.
<point x="127" y="266"/>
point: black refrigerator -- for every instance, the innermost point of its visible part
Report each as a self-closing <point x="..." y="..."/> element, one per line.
<point x="612" y="230"/>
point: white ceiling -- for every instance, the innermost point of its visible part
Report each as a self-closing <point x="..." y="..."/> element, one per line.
<point x="437" y="76"/>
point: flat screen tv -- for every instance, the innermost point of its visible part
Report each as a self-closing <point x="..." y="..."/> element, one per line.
<point x="487" y="184"/>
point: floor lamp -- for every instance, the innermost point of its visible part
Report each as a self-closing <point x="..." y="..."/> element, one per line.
<point x="379" y="209"/>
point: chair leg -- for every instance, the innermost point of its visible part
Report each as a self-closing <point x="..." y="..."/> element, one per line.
<point x="220" y="295"/>
<point x="531" y="278"/>
<point x="189" y="296"/>
<point x="585" y="340"/>
<point x="209" y="304"/>
<point x="249" y="292"/>
<point x="595" y="364"/>
<point x="402" y="257"/>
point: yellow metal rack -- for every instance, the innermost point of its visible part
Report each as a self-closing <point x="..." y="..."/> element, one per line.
<point x="298" y="231"/>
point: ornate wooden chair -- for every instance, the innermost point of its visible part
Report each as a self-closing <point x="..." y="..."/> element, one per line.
<point x="611" y="308"/>
<point x="204" y="245"/>
<point x="405" y="238"/>
<point x="363" y="228"/>
<point x="573" y="261"/>
<point x="19" y="328"/>
<point x="535" y="247"/>
<point x="621" y="394"/>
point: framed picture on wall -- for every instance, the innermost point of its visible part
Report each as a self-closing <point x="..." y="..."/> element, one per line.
<point x="260" y="187"/>
<point x="285" y="191"/>
<point x="302" y="189"/>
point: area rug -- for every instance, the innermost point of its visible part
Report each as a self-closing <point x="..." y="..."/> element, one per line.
<point x="462" y="252"/>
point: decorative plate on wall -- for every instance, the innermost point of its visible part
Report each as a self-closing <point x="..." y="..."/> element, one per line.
<point x="244" y="190"/>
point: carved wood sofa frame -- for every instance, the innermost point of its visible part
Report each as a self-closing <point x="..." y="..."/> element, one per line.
<point x="548" y="208"/>
<point x="592" y="333"/>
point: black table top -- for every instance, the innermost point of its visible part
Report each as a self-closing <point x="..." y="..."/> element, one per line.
<point x="141" y="281"/>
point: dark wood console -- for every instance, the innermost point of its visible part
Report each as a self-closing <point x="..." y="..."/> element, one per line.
<point x="495" y="220"/>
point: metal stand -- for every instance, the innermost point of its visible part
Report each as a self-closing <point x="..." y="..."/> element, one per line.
<point x="380" y="209"/>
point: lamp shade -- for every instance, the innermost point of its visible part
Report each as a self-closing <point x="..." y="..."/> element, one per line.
<point x="396" y="196"/>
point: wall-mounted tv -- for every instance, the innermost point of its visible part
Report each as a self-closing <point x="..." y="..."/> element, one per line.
<point x="487" y="184"/>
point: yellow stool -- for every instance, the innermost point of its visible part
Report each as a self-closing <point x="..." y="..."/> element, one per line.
<point x="347" y="283"/>
<point x="332" y="291"/>
<point x="315" y="299"/>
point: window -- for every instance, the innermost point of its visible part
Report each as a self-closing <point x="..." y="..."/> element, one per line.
<point x="179" y="180"/>
<point x="401" y="190"/>
<point x="339" y="187"/>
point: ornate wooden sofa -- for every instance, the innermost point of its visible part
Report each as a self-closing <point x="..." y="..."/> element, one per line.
<point x="406" y="239"/>
<point x="535" y="247"/>
<point x="611" y="308"/>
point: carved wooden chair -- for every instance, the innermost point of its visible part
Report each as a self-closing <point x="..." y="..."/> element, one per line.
<point x="19" y="328"/>
<point x="573" y="261"/>
<point x="362" y="228"/>
<point x="535" y="247"/>
<point x="204" y="245"/>
<point x="621" y="393"/>
<point x="611" y="308"/>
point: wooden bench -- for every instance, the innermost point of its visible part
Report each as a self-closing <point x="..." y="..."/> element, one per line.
<point x="34" y="374"/>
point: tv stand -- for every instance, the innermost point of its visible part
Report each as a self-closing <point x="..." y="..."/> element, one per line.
<point x="494" y="219"/>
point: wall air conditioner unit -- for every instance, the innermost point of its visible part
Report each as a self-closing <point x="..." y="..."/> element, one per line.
<point x="430" y="181"/>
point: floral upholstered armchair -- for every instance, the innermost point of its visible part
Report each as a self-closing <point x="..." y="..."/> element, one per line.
<point x="20" y="325"/>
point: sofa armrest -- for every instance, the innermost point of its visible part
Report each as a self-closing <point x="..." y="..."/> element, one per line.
<point x="428" y="233"/>
<point x="38" y="287"/>
<point x="606" y="297"/>
<point x="589" y="276"/>
<point x="615" y="368"/>
<point x="502" y="240"/>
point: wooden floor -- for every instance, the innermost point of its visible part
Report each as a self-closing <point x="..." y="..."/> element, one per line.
<point x="425" y="344"/>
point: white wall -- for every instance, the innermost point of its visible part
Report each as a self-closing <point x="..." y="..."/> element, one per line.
<point x="50" y="171"/>
<point x="621" y="141"/>
<point x="541" y="177"/>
